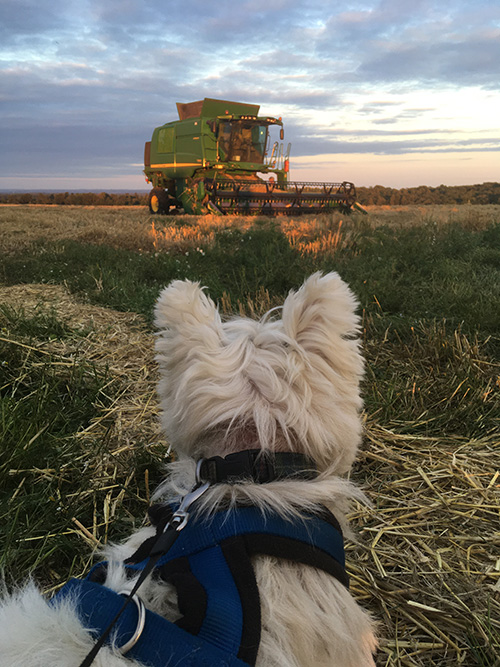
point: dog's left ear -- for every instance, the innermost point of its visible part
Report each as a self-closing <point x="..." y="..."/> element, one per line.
<point x="323" y="309"/>
<point x="183" y="308"/>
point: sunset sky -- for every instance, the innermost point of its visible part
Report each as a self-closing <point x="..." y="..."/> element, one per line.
<point x="387" y="92"/>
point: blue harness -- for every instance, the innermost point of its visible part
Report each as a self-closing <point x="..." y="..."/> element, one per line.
<point x="210" y="566"/>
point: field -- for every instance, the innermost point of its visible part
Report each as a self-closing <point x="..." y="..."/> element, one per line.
<point x="82" y="452"/>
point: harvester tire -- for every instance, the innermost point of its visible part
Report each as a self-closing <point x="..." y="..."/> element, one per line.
<point x="159" y="202"/>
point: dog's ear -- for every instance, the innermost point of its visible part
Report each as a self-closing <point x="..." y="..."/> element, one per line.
<point x="323" y="309"/>
<point x="321" y="319"/>
<point x="184" y="308"/>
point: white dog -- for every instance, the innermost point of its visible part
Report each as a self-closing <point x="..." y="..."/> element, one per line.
<point x="264" y="418"/>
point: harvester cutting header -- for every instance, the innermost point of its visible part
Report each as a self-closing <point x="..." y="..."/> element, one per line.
<point x="220" y="157"/>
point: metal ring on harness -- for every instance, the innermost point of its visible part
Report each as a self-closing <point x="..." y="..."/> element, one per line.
<point x="141" y="621"/>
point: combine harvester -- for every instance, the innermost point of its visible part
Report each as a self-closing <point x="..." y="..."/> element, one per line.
<point x="219" y="158"/>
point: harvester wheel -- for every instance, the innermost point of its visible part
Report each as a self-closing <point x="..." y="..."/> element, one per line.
<point x="159" y="202"/>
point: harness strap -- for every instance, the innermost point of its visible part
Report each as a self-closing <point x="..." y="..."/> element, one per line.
<point x="161" y="642"/>
<point x="320" y="531"/>
<point x="161" y="545"/>
<point x="211" y="567"/>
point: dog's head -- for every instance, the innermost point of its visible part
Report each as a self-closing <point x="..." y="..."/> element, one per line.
<point x="289" y="384"/>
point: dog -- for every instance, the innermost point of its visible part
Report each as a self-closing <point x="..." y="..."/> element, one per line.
<point x="264" y="418"/>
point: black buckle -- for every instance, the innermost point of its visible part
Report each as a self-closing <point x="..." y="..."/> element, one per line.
<point x="234" y="467"/>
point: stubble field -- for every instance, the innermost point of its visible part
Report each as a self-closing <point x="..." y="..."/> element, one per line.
<point x="81" y="449"/>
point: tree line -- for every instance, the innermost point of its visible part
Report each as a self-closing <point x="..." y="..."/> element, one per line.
<point x="484" y="193"/>
<point x="378" y="195"/>
<point x="75" y="198"/>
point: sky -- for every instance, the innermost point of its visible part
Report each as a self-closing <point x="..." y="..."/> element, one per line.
<point x="380" y="92"/>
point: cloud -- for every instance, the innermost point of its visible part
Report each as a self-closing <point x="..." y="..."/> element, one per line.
<point x="104" y="151"/>
<point x="26" y="17"/>
<point x="471" y="61"/>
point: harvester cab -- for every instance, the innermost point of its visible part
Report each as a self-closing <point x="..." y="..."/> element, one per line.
<point x="222" y="157"/>
<point x="242" y="140"/>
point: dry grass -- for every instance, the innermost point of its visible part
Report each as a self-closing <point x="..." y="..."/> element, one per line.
<point x="429" y="560"/>
<point x="132" y="228"/>
<point x="119" y="342"/>
<point x="312" y="235"/>
<point x="470" y="216"/>
<point x="120" y="346"/>
<point x="22" y="226"/>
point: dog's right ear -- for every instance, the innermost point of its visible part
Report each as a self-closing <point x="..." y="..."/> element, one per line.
<point x="184" y="308"/>
<point x="323" y="309"/>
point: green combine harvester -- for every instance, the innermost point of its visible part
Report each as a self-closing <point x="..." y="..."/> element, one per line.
<point x="220" y="157"/>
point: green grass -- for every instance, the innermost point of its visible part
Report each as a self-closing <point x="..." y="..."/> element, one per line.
<point x="42" y="324"/>
<point x="50" y="473"/>
<point x="422" y="289"/>
<point x="486" y="655"/>
<point x="418" y="273"/>
<point x="426" y="273"/>
<point x="44" y="401"/>
<point x="431" y="378"/>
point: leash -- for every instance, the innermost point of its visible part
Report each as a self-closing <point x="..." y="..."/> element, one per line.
<point x="162" y="545"/>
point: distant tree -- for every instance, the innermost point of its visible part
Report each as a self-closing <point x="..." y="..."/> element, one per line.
<point x="378" y="195"/>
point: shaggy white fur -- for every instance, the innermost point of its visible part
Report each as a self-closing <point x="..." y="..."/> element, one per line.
<point x="278" y="384"/>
